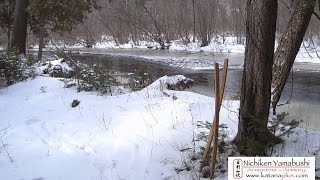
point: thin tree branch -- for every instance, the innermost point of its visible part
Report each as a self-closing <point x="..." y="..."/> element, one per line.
<point x="4" y="146"/>
<point x="286" y="5"/>
<point x="317" y="15"/>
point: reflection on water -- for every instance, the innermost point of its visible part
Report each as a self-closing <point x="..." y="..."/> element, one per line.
<point x="125" y="65"/>
<point x="307" y="112"/>
<point x="204" y="83"/>
<point x="305" y="87"/>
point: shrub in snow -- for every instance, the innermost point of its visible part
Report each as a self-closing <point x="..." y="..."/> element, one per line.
<point x="97" y="78"/>
<point x="13" y="69"/>
<point x="140" y="79"/>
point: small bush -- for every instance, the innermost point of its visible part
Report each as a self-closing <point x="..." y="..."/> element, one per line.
<point x="97" y="78"/>
<point x="13" y="69"/>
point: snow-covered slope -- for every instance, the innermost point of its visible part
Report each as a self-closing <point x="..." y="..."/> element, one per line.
<point x="134" y="136"/>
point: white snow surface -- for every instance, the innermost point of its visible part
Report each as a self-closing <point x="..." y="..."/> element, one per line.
<point x="308" y="55"/>
<point x="133" y="136"/>
<point x="216" y="46"/>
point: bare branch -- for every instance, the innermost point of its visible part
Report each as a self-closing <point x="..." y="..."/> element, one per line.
<point x="317" y="15"/>
<point x="4" y="147"/>
<point x="286" y="5"/>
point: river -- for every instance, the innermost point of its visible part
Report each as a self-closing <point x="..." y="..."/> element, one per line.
<point x="302" y="89"/>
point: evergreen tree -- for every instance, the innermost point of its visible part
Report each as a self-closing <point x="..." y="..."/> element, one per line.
<point x="51" y="15"/>
<point x="19" y="34"/>
<point x="6" y="17"/>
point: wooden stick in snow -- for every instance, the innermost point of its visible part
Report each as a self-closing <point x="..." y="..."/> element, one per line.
<point x="222" y="86"/>
<point x="216" y="121"/>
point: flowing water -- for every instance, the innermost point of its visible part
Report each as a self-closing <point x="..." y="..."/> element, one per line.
<point x="302" y="89"/>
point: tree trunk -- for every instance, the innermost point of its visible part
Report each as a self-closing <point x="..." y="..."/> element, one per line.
<point x="19" y="35"/>
<point x="289" y="46"/>
<point x="41" y="34"/>
<point x="203" y="19"/>
<point x="41" y="44"/>
<point x="194" y="21"/>
<point x="203" y="26"/>
<point x="9" y="36"/>
<point x="253" y="135"/>
<point x="204" y="40"/>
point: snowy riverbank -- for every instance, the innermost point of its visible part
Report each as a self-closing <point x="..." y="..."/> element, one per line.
<point x="133" y="136"/>
<point x="147" y="134"/>
<point x="185" y="54"/>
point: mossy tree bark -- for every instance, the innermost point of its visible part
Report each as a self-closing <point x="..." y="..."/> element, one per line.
<point x="253" y="135"/>
<point x="289" y="46"/>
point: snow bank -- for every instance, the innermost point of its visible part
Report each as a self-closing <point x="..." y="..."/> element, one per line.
<point x="139" y="135"/>
<point x="133" y="136"/>
<point x="216" y="46"/>
<point x="308" y="56"/>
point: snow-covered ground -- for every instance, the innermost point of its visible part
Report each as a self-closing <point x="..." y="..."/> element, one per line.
<point x="147" y="134"/>
<point x="308" y="55"/>
<point x="216" y="46"/>
<point x="133" y="136"/>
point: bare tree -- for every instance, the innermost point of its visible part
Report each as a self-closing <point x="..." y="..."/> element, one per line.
<point x="253" y="135"/>
<point x="162" y="21"/>
<point x="87" y="33"/>
<point x="206" y="17"/>
<point x="289" y="46"/>
<point x="145" y="16"/>
<point x="237" y="12"/>
<point x="194" y="20"/>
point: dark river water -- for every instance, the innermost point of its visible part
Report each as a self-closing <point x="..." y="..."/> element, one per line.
<point x="302" y="88"/>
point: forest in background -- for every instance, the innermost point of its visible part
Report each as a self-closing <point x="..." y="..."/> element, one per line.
<point x="163" y="21"/>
